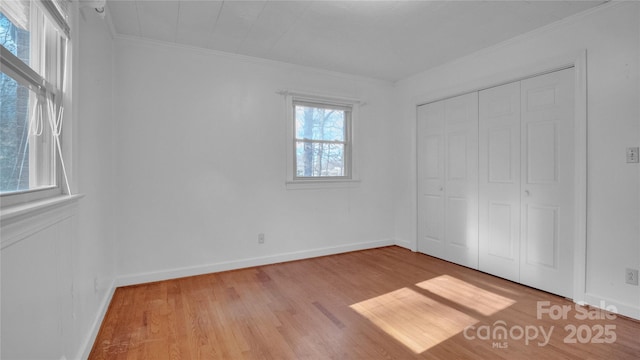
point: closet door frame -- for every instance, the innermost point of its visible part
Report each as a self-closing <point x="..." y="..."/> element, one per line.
<point x="577" y="60"/>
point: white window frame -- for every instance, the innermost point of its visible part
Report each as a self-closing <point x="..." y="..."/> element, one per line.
<point x="56" y="11"/>
<point x="351" y="178"/>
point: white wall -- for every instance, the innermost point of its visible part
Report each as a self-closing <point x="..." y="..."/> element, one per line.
<point x="95" y="252"/>
<point x="610" y="35"/>
<point x="59" y="265"/>
<point x="201" y="164"/>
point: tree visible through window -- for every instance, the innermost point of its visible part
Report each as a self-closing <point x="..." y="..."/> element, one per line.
<point x="14" y="113"/>
<point x="322" y="140"/>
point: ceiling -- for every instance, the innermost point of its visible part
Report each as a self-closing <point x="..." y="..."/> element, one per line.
<point x="387" y="40"/>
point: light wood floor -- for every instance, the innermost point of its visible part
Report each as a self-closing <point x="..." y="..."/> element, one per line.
<point x="386" y="303"/>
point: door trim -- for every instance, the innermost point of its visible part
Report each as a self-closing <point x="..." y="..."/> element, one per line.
<point x="580" y="112"/>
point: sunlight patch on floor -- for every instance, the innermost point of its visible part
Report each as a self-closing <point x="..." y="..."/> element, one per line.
<point x="470" y="296"/>
<point x="413" y="319"/>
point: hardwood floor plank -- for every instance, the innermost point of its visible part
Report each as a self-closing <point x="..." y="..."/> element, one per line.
<point x="386" y="303"/>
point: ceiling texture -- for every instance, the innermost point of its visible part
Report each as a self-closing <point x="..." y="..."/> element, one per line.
<point x="387" y="40"/>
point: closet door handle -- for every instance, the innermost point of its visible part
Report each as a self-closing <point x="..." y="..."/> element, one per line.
<point x="441" y="188"/>
<point x="527" y="193"/>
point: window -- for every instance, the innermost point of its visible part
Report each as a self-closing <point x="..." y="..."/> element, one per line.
<point x="320" y="141"/>
<point x="322" y="133"/>
<point x="34" y="56"/>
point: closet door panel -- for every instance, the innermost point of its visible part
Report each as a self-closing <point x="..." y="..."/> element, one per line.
<point x="431" y="177"/>
<point x="542" y="152"/>
<point x="499" y="150"/>
<point x="548" y="178"/>
<point x="499" y="200"/>
<point x="456" y="213"/>
<point x="500" y="228"/>
<point x="457" y="163"/>
<point x="447" y="179"/>
<point x="541" y="229"/>
<point x="461" y="185"/>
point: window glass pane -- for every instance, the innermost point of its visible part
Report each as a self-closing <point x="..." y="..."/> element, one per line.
<point x="26" y="162"/>
<point x="14" y="135"/>
<point x="315" y="123"/>
<point x="14" y="35"/>
<point x="315" y="159"/>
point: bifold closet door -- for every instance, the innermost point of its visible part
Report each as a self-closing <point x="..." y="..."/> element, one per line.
<point x="548" y="214"/>
<point x="526" y="201"/>
<point x="499" y="200"/>
<point x="448" y="179"/>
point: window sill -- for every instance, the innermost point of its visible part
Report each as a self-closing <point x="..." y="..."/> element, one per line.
<point x="17" y="212"/>
<point x="321" y="184"/>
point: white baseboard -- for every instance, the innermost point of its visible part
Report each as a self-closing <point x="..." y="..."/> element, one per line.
<point x="87" y="345"/>
<point x="604" y="302"/>
<point x="405" y="244"/>
<point x="160" y="275"/>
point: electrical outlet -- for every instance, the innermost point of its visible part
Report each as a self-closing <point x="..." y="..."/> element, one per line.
<point x="631" y="276"/>
<point x="261" y="238"/>
<point x="633" y="155"/>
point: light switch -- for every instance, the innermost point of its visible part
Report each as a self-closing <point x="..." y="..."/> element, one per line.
<point x="632" y="154"/>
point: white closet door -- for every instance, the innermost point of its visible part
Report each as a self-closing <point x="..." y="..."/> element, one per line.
<point x="448" y="179"/>
<point x="461" y="185"/>
<point x="499" y="181"/>
<point x="547" y="171"/>
<point x="431" y="179"/>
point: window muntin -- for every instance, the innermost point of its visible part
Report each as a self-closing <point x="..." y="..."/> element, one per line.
<point x="34" y="56"/>
<point x="322" y="136"/>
